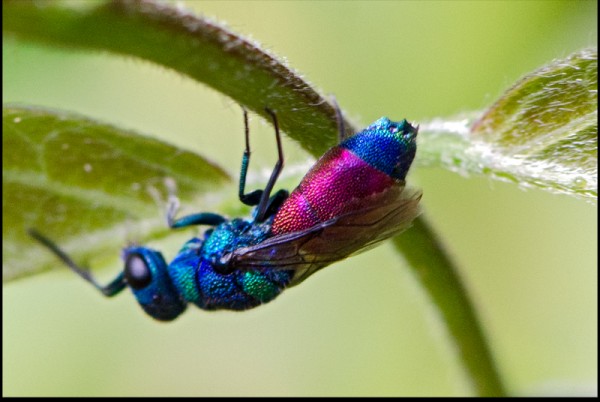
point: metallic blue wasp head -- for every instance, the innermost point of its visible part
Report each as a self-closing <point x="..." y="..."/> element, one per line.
<point x="146" y="275"/>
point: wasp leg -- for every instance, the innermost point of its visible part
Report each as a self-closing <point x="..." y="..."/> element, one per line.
<point x="202" y="218"/>
<point x="261" y="209"/>
<point x="114" y="287"/>
<point x="254" y="197"/>
<point x="275" y="202"/>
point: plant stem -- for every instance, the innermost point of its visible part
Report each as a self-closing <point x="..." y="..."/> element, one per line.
<point x="438" y="275"/>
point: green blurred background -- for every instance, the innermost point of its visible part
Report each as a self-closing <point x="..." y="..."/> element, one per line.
<point x="363" y="326"/>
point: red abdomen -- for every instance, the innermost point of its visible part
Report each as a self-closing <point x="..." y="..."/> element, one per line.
<point x="326" y="191"/>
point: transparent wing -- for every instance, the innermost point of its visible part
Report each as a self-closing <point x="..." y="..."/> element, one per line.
<point x="371" y="221"/>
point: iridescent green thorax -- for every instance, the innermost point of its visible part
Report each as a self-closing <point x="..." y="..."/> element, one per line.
<point x="198" y="280"/>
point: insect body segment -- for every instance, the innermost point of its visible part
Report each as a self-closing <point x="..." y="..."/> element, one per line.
<point x="196" y="275"/>
<point x="367" y="163"/>
<point x="352" y="199"/>
<point x="149" y="281"/>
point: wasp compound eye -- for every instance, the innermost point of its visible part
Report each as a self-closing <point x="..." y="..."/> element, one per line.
<point x="137" y="272"/>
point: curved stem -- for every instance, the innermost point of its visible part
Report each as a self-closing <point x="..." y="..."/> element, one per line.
<point x="438" y="275"/>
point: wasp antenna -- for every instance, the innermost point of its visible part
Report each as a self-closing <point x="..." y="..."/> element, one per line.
<point x="111" y="289"/>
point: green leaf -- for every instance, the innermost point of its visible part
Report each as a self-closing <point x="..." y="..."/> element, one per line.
<point x="195" y="46"/>
<point x="543" y="132"/>
<point x="87" y="184"/>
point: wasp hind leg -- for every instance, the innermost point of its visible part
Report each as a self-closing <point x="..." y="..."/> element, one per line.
<point x="267" y="203"/>
<point x="252" y="198"/>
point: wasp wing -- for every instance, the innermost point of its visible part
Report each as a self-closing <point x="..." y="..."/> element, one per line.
<point x="370" y="221"/>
